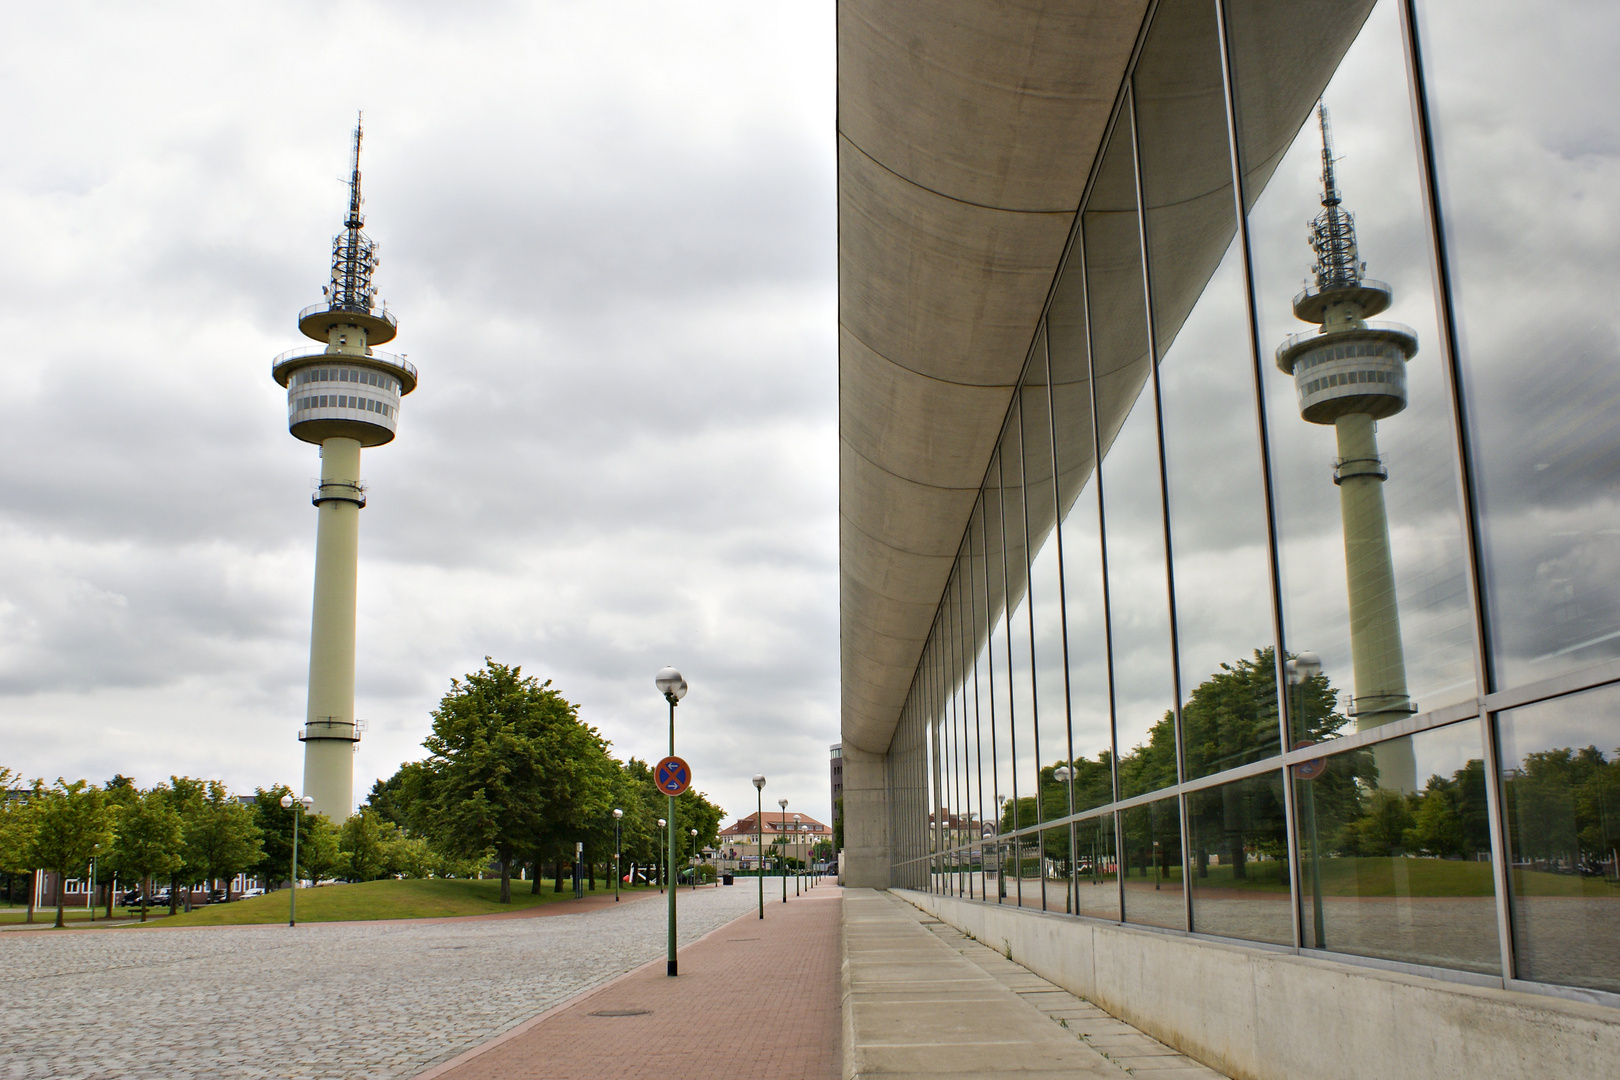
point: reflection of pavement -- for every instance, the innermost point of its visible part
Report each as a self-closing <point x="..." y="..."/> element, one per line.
<point x="1569" y="939"/>
<point x="324" y="1000"/>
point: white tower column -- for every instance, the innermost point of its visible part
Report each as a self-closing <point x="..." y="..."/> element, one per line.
<point x="329" y="727"/>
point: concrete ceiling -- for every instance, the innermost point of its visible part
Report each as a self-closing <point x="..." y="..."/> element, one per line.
<point x="966" y="132"/>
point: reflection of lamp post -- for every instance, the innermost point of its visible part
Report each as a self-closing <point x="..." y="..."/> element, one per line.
<point x="1301" y="669"/>
<point x="1001" y="863"/>
<point x="759" y="837"/>
<point x="673" y="687"/>
<point x="618" y="850"/>
<point x="782" y="859"/>
<point x="303" y="804"/>
<point x="1062" y="774"/>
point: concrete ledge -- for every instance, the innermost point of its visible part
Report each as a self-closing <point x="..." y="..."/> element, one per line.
<point x="1254" y="1014"/>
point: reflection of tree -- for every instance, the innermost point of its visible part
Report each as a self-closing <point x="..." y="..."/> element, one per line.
<point x="1564" y="809"/>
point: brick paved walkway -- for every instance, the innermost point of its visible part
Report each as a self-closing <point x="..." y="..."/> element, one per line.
<point x="753" y="999"/>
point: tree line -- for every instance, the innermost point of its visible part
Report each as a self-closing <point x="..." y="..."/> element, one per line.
<point x="513" y="779"/>
<point x="1563" y="804"/>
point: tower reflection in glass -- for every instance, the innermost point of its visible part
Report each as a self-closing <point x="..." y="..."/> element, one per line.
<point x="1351" y="373"/>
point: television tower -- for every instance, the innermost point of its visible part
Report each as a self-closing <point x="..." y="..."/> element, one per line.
<point x="341" y="396"/>
<point x="1351" y="373"/>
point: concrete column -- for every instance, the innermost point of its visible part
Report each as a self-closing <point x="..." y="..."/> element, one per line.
<point x="329" y="729"/>
<point x="866" y="819"/>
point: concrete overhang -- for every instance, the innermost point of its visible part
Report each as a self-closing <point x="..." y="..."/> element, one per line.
<point x="966" y="135"/>
<point x="966" y="132"/>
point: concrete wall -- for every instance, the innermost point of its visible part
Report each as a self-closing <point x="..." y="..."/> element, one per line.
<point x="866" y="819"/>
<point x="1260" y="1015"/>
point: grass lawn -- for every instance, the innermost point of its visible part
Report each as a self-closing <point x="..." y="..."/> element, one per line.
<point x="428" y="898"/>
<point x="10" y="915"/>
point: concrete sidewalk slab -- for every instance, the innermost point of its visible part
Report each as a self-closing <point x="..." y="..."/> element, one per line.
<point x="921" y="999"/>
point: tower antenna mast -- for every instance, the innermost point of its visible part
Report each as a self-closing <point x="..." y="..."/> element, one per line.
<point x="354" y="254"/>
<point x="1333" y="233"/>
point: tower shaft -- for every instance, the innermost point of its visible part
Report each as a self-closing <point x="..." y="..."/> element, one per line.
<point x="329" y="734"/>
<point x="341" y="396"/>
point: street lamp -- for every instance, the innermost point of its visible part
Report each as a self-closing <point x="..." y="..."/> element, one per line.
<point x="673" y="687"/>
<point x="1062" y="774"/>
<point x="287" y="802"/>
<point x="1298" y="671"/>
<point x="759" y="837"/>
<point x="694" y="860"/>
<point x="796" y="820"/>
<point x="618" y="850"/>
<point x="663" y="871"/>
<point x="782" y="859"/>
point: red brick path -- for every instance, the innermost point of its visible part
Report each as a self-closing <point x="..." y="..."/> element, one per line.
<point x="753" y="999"/>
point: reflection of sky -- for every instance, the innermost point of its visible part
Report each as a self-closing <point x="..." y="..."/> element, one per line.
<point x="1571" y="723"/>
<point x="1529" y="163"/>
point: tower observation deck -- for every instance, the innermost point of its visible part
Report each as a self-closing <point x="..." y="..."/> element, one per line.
<point x="342" y="395"/>
<point x="1351" y="373"/>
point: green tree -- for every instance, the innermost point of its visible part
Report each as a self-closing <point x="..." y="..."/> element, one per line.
<point x="221" y="838"/>
<point x="71" y="827"/>
<point x="16" y="834"/>
<point x="319" y="854"/>
<point x="146" y="841"/>
<point x="189" y="799"/>
<point x="506" y="770"/>
<point x="1382" y="828"/>
<point x="275" y="825"/>
<point x="367" y="844"/>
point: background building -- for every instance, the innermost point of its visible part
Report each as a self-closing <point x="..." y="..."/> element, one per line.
<point x="836" y="768"/>
<point x="738" y="844"/>
<point x="1104" y="588"/>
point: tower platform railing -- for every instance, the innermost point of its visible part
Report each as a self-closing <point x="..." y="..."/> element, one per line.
<point x="375" y="357"/>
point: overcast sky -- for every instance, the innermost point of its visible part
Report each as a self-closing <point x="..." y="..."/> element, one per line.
<point x="608" y="232"/>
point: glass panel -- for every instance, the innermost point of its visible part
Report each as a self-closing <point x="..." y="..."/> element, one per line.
<point x="1021" y="662"/>
<point x="1240" y="860"/>
<point x="1153" y="864"/>
<point x="999" y="682"/>
<point x="1096" y="891"/>
<point x="1561" y="782"/>
<point x="1528" y="155"/>
<point x="1089" y="738"/>
<point x="1364" y="464"/>
<point x="1206" y="389"/>
<point x="1389" y="871"/>
<point x="1133" y="514"/>
<point x="1045" y="585"/>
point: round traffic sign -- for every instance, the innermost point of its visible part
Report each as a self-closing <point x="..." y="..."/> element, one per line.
<point x="1309" y="770"/>
<point x="673" y="776"/>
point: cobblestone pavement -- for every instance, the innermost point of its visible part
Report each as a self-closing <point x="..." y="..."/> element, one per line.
<point x="323" y="1000"/>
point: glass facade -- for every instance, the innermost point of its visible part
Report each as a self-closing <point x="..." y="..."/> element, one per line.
<point x="1289" y="609"/>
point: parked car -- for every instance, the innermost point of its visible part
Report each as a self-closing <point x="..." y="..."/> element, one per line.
<point x="252" y="892"/>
